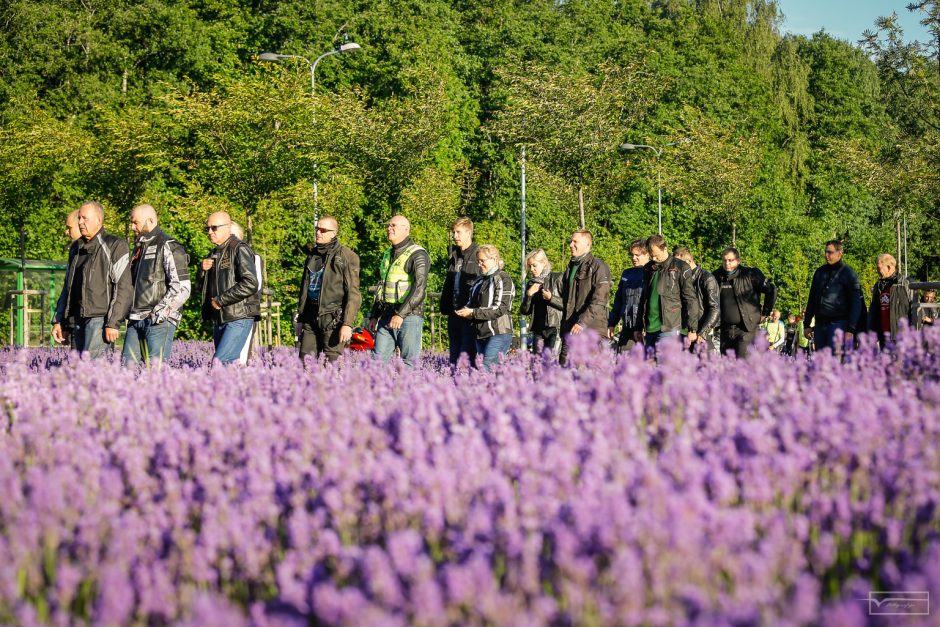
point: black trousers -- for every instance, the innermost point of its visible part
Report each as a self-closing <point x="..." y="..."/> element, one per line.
<point x="734" y="337"/>
<point x="548" y="337"/>
<point x="320" y="334"/>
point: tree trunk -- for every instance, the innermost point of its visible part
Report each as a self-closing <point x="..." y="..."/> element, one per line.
<point x="581" y="205"/>
<point x="897" y="224"/>
<point x="734" y="234"/>
<point x="124" y="82"/>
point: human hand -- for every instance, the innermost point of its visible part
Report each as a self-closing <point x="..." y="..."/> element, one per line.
<point x="215" y="304"/>
<point x="535" y="287"/>
<point x="396" y="322"/>
<point x="207" y="264"/>
<point x="345" y="333"/>
<point x="464" y="312"/>
<point x="110" y="335"/>
<point x="546" y="294"/>
<point x="57" y="334"/>
<point x="577" y="329"/>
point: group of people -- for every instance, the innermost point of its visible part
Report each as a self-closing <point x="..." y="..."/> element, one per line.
<point x="664" y="297"/>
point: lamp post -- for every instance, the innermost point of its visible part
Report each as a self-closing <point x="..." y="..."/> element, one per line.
<point x="349" y="46"/>
<point x="659" y="184"/>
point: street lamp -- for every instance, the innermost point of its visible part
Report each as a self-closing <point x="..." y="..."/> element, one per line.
<point x="659" y="184"/>
<point x="349" y="46"/>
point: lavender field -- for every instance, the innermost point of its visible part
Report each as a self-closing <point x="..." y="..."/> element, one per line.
<point x="616" y="492"/>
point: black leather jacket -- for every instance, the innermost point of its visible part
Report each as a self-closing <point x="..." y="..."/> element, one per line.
<point x="748" y="285"/>
<point x="469" y="273"/>
<point x="491" y="301"/>
<point x="106" y="281"/>
<point x="706" y="292"/>
<point x="160" y="273"/>
<point x="417" y="268"/>
<point x="232" y="280"/>
<point x="586" y="299"/>
<point x="546" y="314"/>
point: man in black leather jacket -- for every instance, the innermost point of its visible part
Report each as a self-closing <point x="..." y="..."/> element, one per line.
<point x="97" y="292"/>
<point x="739" y="298"/>
<point x="160" y="274"/>
<point x="397" y="317"/>
<point x="706" y="293"/>
<point x="231" y="298"/>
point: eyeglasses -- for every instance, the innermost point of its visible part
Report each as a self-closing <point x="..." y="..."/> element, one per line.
<point x="319" y="230"/>
<point x="212" y="228"/>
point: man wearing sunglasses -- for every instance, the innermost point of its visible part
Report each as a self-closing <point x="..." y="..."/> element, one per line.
<point x="229" y="288"/>
<point x="329" y="295"/>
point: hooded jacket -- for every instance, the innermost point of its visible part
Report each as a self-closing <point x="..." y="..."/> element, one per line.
<point x="106" y="289"/>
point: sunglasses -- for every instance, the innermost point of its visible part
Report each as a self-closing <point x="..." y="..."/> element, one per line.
<point x="319" y="230"/>
<point x="212" y="228"/>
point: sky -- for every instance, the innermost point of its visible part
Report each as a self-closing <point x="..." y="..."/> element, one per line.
<point x="847" y="19"/>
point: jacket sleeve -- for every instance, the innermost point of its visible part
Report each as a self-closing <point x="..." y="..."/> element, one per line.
<point x="122" y="290"/>
<point x="64" y="294"/>
<point x="179" y="287"/>
<point x="502" y="299"/>
<point x="246" y="283"/>
<point x="353" y="297"/>
<point x="854" y="289"/>
<point x="616" y="314"/>
<point x="711" y="313"/>
<point x="689" y="301"/>
<point x="761" y="285"/>
<point x="525" y="307"/>
<point x="554" y="286"/>
<point x="811" y="301"/>
<point x="420" y="264"/>
<point x="596" y="306"/>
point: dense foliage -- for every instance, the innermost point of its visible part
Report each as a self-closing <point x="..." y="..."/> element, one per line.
<point x="774" y="142"/>
<point x="618" y="491"/>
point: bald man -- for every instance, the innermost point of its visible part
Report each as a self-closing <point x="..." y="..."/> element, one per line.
<point x="229" y="287"/>
<point x="160" y="274"/>
<point x="97" y="292"/>
<point x="890" y="300"/>
<point x="397" y="317"/>
<point x="329" y="294"/>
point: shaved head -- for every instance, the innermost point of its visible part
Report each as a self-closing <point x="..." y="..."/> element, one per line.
<point x="399" y="228"/>
<point x="143" y="219"/>
<point x="219" y="227"/>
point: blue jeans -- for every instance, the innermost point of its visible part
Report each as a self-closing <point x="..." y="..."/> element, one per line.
<point x="232" y="340"/>
<point x="407" y="339"/>
<point x="492" y="347"/>
<point x="145" y="341"/>
<point x="88" y="337"/>
<point x="825" y="334"/>
<point x="462" y="337"/>
<point x="651" y="340"/>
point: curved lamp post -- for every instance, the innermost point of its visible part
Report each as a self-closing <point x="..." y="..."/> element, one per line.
<point x="349" y="46"/>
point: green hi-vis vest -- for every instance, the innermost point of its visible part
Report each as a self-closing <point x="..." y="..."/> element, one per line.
<point x="395" y="281"/>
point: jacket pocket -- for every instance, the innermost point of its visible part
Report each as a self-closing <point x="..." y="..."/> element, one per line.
<point x="328" y="320"/>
